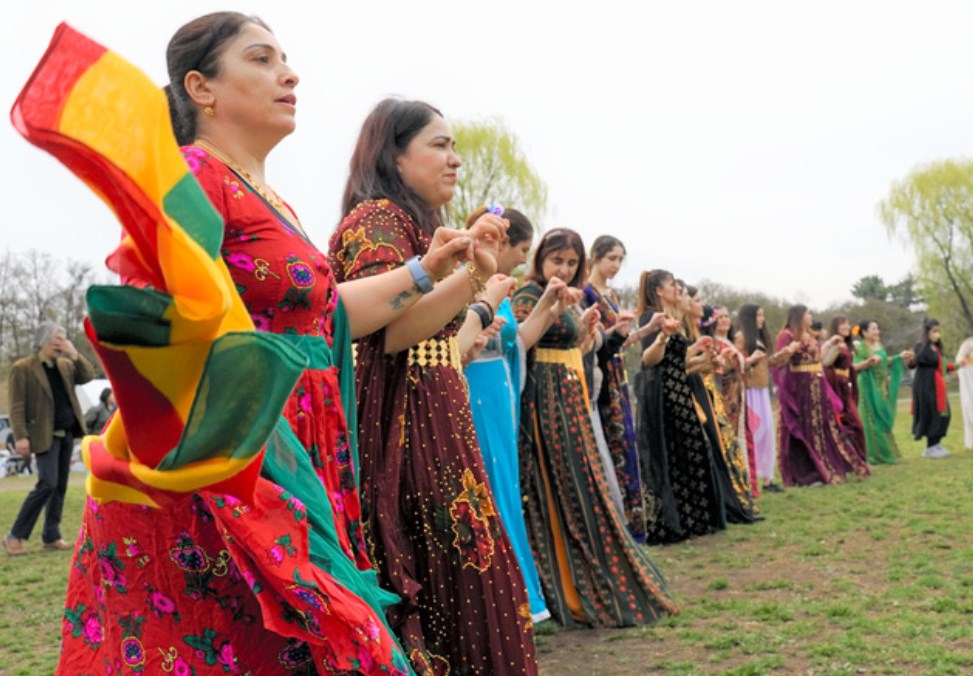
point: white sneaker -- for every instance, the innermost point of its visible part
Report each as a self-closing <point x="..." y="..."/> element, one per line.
<point x="934" y="452"/>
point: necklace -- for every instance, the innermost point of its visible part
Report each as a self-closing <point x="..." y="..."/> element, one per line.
<point x="267" y="192"/>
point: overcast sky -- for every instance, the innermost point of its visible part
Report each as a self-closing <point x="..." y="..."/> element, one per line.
<point x="742" y="142"/>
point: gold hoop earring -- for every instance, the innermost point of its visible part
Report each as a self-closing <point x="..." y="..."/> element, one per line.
<point x="208" y="111"/>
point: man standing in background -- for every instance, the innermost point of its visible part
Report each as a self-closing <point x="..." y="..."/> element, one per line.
<point x="45" y="418"/>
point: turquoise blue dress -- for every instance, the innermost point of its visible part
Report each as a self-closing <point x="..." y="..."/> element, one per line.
<point x="495" y="380"/>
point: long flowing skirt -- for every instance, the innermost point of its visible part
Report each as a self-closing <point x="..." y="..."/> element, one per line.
<point x="591" y="569"/>
<point x="764" y="432"/>
<point x="496" y="421"/>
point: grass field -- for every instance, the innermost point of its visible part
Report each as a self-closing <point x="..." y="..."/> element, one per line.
<point x="871" y="577"/>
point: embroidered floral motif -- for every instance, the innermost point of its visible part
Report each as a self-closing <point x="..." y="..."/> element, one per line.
<point x="295" y="655"/>
<point x="527" y="620"/>
<point x="236" y="190"/>
<point x="85" y="624"/>
<point x="294" y="504"/>
<point x="358" y="251"/>
<point x="238" y="507"/>
<point x="263" y="270"/>
<point x="302" y="276"/>
<point x="160" y="605"/>
<point x="213" y="649"/>
<point x="173" y="664"/>
<point x="195" y="158"/>
<point x="133" y="551"/>
<point x="282" y="545"/>
<point x="470" y="514"/>
<point x="133" y="653"/>
<point x="111" y="568"/>
<point x="187" y="556"/>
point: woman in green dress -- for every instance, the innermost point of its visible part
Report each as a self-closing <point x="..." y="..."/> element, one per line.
<point x="879" y="376"/>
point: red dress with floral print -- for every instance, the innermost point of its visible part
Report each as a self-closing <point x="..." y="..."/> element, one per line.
<point x="288" y="288"/>
<point x="429" y="513"/>
<point x="210" y="584"/>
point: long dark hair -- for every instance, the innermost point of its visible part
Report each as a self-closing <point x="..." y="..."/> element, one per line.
<point x="385" y="135"/>
<point x="556" y="240"/>
<point x="198" y="46"/>
<point x="707" y="323"/>
<point x="651" y="281"/>
<point x="928" y="324"/>
<point x="836" y="321"/>
<point x="795" y="321"/>
<point x="519" y="230"/>
<point x="751" y="334"/>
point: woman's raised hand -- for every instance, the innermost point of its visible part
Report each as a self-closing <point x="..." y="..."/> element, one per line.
<point x="498" y="287"/>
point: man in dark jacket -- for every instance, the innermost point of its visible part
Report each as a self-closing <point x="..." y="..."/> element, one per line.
<point x="45" y="417"/>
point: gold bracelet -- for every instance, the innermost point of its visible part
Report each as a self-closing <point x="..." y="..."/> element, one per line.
<point x="476" y="283"/>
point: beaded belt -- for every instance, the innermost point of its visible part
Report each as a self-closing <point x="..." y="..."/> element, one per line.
<point x="436" y="352"/>
<point x="806" y="368"/>
<point x="570" y="358"/>
<point x="844" y="373"/>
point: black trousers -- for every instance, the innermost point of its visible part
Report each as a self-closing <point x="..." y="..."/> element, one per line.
<point x="53" y="469"/>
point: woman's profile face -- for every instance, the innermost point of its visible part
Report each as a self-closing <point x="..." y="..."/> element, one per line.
<point x="668" y="292"/>
<point x="510" y="257"/>
<point x="609" y="264"/>
<point x="761" y="318"/>
<point x="807" y="321"/>
<point x="722" y="321"/>
<point x="429" y="164"/>
<point x="696" y="306"/>
<point x="561" y="263"/>
<point x="844" y="329"/>
<point x="253" y="92"/>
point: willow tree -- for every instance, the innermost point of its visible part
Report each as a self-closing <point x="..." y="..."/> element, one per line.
<point x="495" y="171"/>
<point x="931" y="209"/>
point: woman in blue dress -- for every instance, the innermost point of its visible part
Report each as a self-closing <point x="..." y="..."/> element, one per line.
<point x="495" y="381"/>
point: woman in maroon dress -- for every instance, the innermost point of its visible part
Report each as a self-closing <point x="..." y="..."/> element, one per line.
<point x="430" y="518"/>
<point x="841" y="373"/>
<point x="812" y="448"/>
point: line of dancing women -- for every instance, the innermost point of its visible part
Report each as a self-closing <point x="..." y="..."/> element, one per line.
<point x="481" y="464"/>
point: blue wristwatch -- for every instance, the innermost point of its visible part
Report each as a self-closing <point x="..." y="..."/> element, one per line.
<point x="419" y="276"/>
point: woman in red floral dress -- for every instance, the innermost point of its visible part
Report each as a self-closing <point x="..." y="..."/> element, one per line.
<point x="429" y="511"/>
<point x="277" y="581"/>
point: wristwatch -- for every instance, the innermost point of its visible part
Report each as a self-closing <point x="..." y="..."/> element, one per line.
<point x="419" y="275"/>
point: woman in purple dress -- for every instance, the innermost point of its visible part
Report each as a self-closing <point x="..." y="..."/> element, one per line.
<point x="813" y="450"/>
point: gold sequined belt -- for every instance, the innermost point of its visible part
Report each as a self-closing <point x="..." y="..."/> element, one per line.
<point x="844" y="373"/>
<point x="807" y="368"/>
<point x="436" y="352"/>
<point x="570" y="358"/>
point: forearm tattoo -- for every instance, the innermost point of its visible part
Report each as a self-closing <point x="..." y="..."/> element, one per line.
<point x="398" y="302"/>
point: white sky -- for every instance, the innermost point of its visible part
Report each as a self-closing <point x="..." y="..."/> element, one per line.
<point x="743" y="142"/>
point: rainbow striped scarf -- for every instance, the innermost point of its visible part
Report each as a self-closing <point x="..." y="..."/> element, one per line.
<point x="198" y="389"/>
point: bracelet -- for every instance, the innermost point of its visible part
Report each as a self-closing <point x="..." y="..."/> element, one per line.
<point x="483" y="314"/>
<point x="419" y="276"/>
<point x="475" y="282"/>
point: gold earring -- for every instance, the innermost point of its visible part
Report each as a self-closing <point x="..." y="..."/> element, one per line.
<point x="208" y="111"/>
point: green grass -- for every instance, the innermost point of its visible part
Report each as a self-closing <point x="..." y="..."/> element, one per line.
<point x="871" y="576"/>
